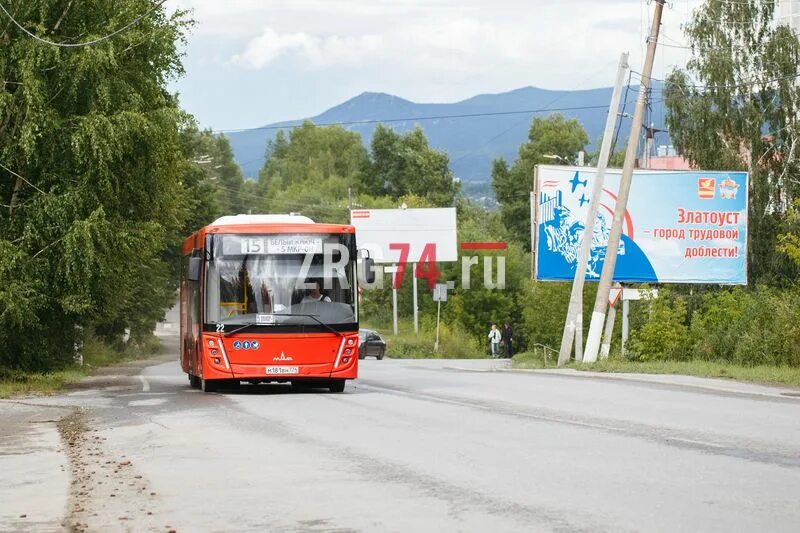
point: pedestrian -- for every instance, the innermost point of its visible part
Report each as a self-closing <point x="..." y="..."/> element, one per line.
<point x="507" y="337"/>
<point x="494" y="341"/>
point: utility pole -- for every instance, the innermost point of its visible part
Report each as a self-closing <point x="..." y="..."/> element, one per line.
<point x="610" y="262"/>
<point x="573" y="327"/>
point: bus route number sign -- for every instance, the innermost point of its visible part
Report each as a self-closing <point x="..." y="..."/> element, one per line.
<point x="281" y="245"/>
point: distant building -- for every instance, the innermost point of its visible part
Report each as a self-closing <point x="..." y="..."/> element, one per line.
<point x="670" y="162"/>
<point x="666" y="151"/>
<point x="667" y="158"/>
<point x="789" y="13"/>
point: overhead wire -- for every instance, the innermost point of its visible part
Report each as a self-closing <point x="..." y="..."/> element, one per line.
<point x="282" y="202"/>
<point x="516" y="124"/>
<point x="128" y="26"/>
<point x="413" y="119"/>
<point x="733" y="86"/>
<point x="621" y="113"/>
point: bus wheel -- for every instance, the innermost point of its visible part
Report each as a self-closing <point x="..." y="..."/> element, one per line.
<point x="194" y="382"/>
<point x="337" y="385"/>
<point x="208" y="386"/>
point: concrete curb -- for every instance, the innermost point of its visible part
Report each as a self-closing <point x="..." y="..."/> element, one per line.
<point x="717" y="385"/>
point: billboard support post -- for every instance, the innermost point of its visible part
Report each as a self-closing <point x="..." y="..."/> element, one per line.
<point x="579" y="323"/>
<point x="606" y="347"/>
<point x="612" y="315"/>
<point x="394" y="306"/>
<point x="573" y="327"/>
<point x="393" y="270"/>
<point x="625" y="312"/>
<point x="610" y="262"/>
<point x="416" y="306"/>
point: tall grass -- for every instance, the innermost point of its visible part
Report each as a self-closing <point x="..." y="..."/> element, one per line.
<point x="96" y="354"/>
<point x="454" y="342"/>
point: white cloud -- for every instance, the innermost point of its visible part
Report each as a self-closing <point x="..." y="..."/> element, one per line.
<point x="319" y="51"/>
<point x="423" y="50"/>
<point x="459" y="45"/>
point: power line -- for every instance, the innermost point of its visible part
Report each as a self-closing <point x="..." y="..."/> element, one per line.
<point x="411" y="119"/>
<point x="136" y="21"/>
<point x="282" y="202"/>
<point x="622" y="113"/>
<point x="516" y="124"/>
<point x="735" y="86"/>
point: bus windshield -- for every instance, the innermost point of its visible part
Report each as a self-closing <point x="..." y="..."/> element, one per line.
<point x="281" y="280"/>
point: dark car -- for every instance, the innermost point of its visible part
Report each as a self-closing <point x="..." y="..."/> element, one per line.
<point x="370" y="344"/>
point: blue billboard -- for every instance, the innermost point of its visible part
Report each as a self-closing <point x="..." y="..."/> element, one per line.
<point x="679" y="227"/>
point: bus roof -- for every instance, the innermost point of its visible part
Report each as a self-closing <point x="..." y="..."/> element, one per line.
<point x="236" y="220"/>
<point x="267" y="224"/>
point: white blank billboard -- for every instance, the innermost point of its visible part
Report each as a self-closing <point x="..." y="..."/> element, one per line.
<point x="412" y="229"/>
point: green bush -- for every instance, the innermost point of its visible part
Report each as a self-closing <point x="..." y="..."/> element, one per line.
<point x="715" y="325"/>
<point x="749" y="327"/>
<point x="665" y="334"/>
<point x="770" y="329"/>
<point x="454" y="343"/>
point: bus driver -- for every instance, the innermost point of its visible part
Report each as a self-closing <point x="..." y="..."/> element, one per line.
<point x="315" y="294"/>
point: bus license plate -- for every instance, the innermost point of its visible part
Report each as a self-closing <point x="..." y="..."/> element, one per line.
<point x="280" y="370"/>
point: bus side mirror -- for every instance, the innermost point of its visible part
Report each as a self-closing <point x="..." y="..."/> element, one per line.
<point x="369" y="270"/>
<point x="193" y="268"/>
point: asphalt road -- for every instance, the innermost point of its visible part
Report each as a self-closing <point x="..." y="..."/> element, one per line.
<point x="411" y="446"/>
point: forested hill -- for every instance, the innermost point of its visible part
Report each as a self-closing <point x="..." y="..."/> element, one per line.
<point x="472" y="142"/>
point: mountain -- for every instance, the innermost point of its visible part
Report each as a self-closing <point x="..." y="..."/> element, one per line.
<point x="472" y="141"/>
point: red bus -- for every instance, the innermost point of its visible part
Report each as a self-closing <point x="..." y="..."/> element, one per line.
<point x="270" y="298"/>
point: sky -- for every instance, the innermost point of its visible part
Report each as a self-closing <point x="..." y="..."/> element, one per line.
<point x="254" y="62"/>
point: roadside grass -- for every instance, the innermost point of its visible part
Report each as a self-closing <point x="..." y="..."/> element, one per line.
<point x="96" y="354"/>
<point x="763" y="374"/>
<point x="24" y="383"/>
<point x="453" y="342"/>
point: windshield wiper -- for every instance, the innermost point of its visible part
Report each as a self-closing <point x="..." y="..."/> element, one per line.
<point x="237" y="330"/>
<point x="313" y="317"/>
<point x="320" y="322"/>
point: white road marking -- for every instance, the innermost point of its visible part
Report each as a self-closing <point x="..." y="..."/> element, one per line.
<point x="145" y="384"/>
<point x="147" y="403"/>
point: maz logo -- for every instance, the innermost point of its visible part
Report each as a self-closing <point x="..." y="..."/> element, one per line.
<point x="283" y="358"/>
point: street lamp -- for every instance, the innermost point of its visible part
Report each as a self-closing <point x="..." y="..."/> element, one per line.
<point x="565" y="161"/>
<point x="556" y="157"/>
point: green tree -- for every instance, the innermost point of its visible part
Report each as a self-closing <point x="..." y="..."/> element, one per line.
<point x="403" y="164"/>
<point x="312" y="172"/>
<point x="736" y="107"/>
<point x="91" y="174"/>
<point x="789" y="242"/>
<point x="551" y="136"/>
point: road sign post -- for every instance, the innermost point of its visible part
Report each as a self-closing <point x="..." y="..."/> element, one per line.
<point x="614" y="297"/>
<point x="439" y="296"/>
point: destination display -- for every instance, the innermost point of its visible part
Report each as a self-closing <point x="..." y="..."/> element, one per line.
<point x="272" y="245"/>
